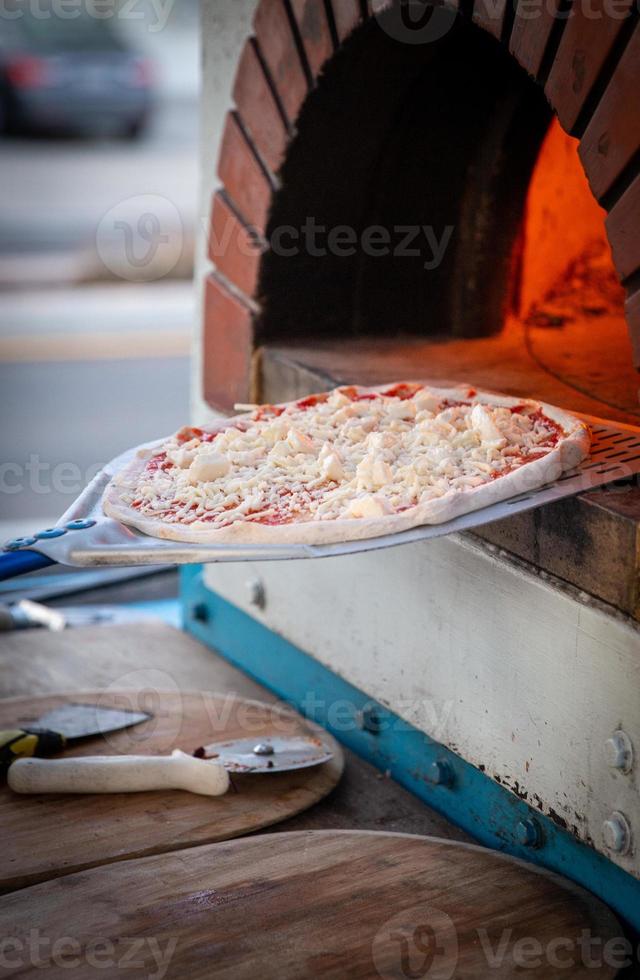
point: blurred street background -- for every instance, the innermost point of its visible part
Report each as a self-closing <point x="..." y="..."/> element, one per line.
<point x="98" y="146"/>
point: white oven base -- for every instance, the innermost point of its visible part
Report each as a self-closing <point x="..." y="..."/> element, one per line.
<point x="520" y="677"/>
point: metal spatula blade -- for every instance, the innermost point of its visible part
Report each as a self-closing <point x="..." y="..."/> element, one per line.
<point x="272" y="754"/>
<point x="81" y="720"/>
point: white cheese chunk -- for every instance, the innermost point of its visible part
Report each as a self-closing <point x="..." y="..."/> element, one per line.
<point x="208" y="466"/>
<point x="368" y="506"/>
<point x="485" y="426"/>
<point x="331" y="467"/>
<point x="372" y="473"/>
<point x="299" y="442"/>
<point x="181" y="457"/>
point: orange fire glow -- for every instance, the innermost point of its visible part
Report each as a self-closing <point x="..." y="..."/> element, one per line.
<point x="564" y="237"/>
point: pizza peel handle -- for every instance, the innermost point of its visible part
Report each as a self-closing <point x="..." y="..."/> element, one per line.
<point x="21" y="562"/>
<point x="118" y="774"/>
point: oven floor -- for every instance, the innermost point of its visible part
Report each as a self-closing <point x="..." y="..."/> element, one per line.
<point x="583" y="365"/>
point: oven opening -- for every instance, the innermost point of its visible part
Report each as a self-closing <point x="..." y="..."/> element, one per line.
<point x="434" y="222"/>
<point x="569" y="302"/>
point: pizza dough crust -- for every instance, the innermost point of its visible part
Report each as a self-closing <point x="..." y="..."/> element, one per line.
<point x="571" y="449"/>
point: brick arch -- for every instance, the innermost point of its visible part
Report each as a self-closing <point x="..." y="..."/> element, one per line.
<point x="588" y="67"/>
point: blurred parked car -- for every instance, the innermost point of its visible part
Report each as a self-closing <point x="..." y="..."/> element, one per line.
<point x="76" y="75"/>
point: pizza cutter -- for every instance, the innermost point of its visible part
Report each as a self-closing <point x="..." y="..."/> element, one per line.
<point x="206" y="772"/>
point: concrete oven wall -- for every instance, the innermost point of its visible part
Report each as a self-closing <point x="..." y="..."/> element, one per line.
<point x="258" y="75"/>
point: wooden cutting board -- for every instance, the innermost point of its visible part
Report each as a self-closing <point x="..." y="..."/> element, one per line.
<point x="324" y="904"/>
<point x="52" y="835"/>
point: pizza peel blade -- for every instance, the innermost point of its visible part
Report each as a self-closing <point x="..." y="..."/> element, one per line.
<point x="103" y="542"/>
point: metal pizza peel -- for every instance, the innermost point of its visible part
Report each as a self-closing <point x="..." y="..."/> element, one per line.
<point x="85" y="537"/>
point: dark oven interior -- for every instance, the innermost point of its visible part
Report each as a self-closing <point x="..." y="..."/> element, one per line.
<point x="433" y="220"/>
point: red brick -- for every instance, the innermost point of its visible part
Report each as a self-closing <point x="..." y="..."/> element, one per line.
<point x="613" y="135"/>
<point x="232" y="247"/>
<point x="632" y="312"/>
<point x="347" y="15"/>
<point x="490" y="15"/>
<point x="258" y="108"/>
<point x="242" y="175"/>
<point x="311" y="18"/>
<point x="227" y="346"/>
<point x="586" y="42"/>
<point x="623" y="229"/>
<point x="278" y="48"/>
<point x="529" y="37"/>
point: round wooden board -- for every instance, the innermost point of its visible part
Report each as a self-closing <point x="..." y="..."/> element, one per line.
<point x="338" y="904"/>
<point x="52" y="835"/>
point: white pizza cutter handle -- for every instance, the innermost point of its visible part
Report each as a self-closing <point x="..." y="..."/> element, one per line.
<point x="118" y="774"/>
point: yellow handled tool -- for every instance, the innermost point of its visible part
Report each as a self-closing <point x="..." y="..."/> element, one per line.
<point x="17" y="743"/>
<point x="66" y="723"/>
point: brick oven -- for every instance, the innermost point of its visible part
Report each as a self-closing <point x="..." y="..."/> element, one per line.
<point x="451" y="192"/>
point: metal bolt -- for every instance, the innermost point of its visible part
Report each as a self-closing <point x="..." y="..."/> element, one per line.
<point x="369" y="719"/>
<point x="529" y="833"/>
<point x="257" y="594"/>
<point x="200" y="612"/>
<point x="440" y="774"/>
<point x="263" y="748"/>
<point x="618" y="751"/>
<point x="616" y="833"/>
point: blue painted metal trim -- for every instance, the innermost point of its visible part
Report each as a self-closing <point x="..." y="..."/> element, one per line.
<point x="489" y="812"/>
<point x="21" y="562"/>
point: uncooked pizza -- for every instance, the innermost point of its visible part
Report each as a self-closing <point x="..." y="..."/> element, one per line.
<point x="346" y="464"/>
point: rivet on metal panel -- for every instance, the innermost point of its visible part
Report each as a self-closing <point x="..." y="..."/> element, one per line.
<point x="618" y="751"/>
<point x="257" y="594"/>
<point x="529" y="833"/>
<point x="200" y="612"/>
<point x="440" y="774"/>
<point x="18" y="543"/>
<point x="616" y="833"/>
<point x="51" y="532"/>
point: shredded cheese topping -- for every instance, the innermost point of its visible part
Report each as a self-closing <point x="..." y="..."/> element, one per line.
<point x="343" y="455"/>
